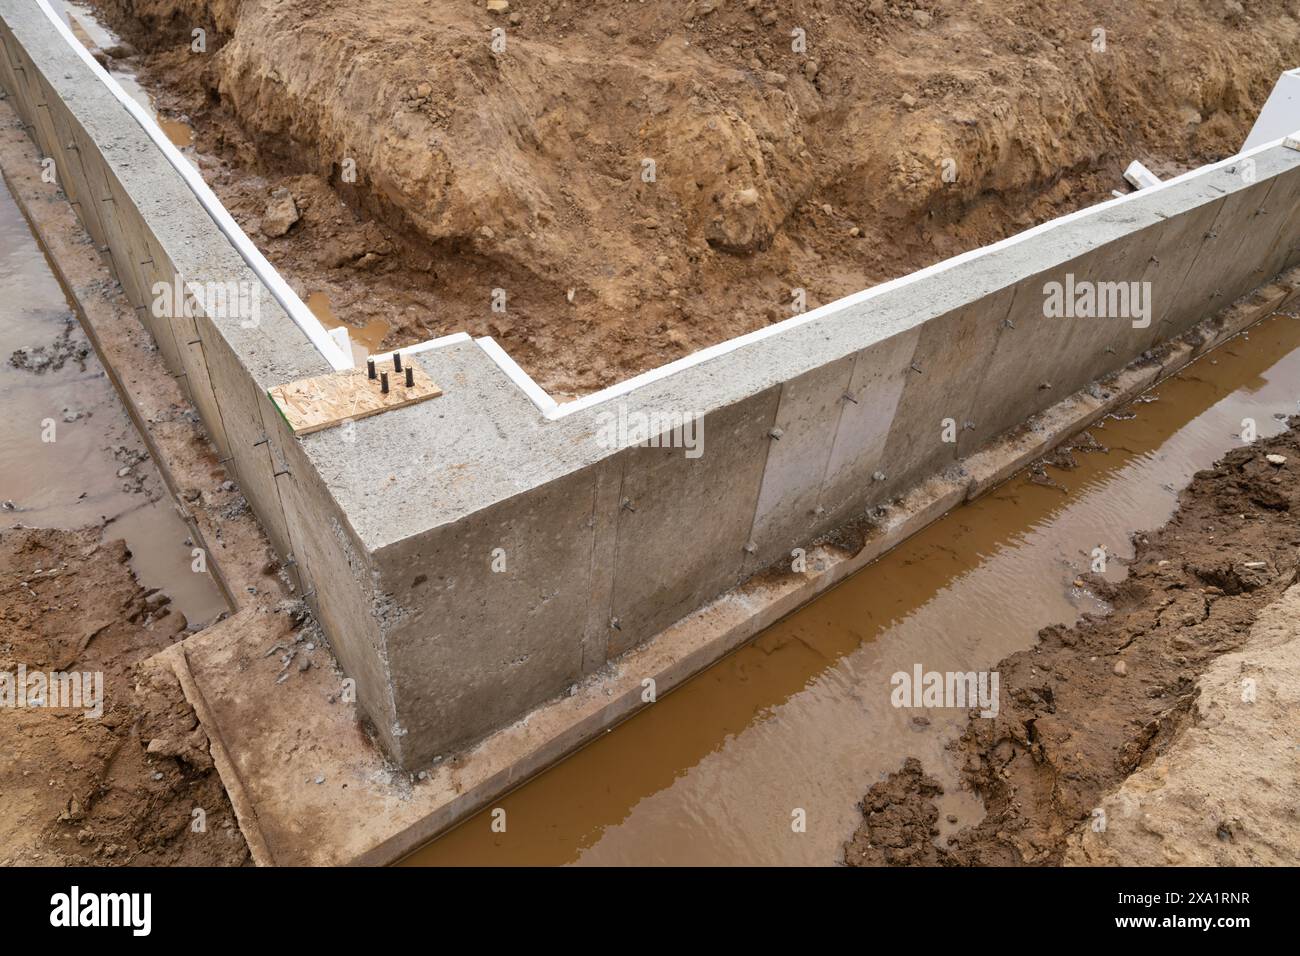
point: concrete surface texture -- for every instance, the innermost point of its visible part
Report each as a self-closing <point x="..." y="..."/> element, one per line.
<point x="473" y="556"/>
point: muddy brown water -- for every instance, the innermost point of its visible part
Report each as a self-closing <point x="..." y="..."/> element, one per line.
<point x="801" y="718"/>
<point x="74" y="480"/>
<point x="364" y="341"/>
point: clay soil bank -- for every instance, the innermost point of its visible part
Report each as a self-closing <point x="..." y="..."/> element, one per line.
<point x="1160" y="733"/>
<point x="627" y="183"/>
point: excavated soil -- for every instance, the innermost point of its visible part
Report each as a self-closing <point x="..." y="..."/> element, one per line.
<point x="118" y="789"/>
<point x="1116" y="695"/>
<point x="883" y="137"/>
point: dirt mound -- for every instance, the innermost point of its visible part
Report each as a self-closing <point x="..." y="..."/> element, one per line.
<point x="898" y="820"/>
<point x="121" y="788"/>
<point x="1092" y="704"/>
<point x="643" y="180"/>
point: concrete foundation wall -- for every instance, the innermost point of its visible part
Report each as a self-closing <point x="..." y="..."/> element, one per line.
<point x="151" y="229"/>
<point x="472" y="556"/>
<point x="859" y="395"/>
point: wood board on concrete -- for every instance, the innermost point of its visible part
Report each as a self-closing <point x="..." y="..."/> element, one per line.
<point x="313" y="404"/>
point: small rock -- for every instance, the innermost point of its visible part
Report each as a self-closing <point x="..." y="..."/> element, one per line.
<point x="123" y="472"/>
<point x="1120" y="668"/>
<point x="498" y="6"/>
<point x="1278" y="460"/>
<point x="72" y="811"/>
<point x="811" y="69"/>
<point x="922" y="18"/>
<point x="908" y="100"/>
<point x="281" y="214"/>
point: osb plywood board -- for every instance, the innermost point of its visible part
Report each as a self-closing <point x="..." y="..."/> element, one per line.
<point x="312" y="404"/>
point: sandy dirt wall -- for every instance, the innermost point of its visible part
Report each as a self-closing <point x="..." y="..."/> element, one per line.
<point x="782" y="160"/>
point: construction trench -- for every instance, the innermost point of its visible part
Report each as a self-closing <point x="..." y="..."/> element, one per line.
<point x="490" y="578"/>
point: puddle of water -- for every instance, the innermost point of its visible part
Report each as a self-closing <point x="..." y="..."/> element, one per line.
<point x="161" y="556"/>
<point x="364" y="341"/>
<point x="93" y="35"/>
<point x="177" y="131"/>
<point x="66" y="434"/>
<point x="801" y="717"/>
<point x="72" y="480"/>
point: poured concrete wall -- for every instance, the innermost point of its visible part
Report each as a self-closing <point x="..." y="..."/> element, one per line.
<point x="152" y="229"/>
<point x="472" y="556"/>
<point x="631" y="539"/>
